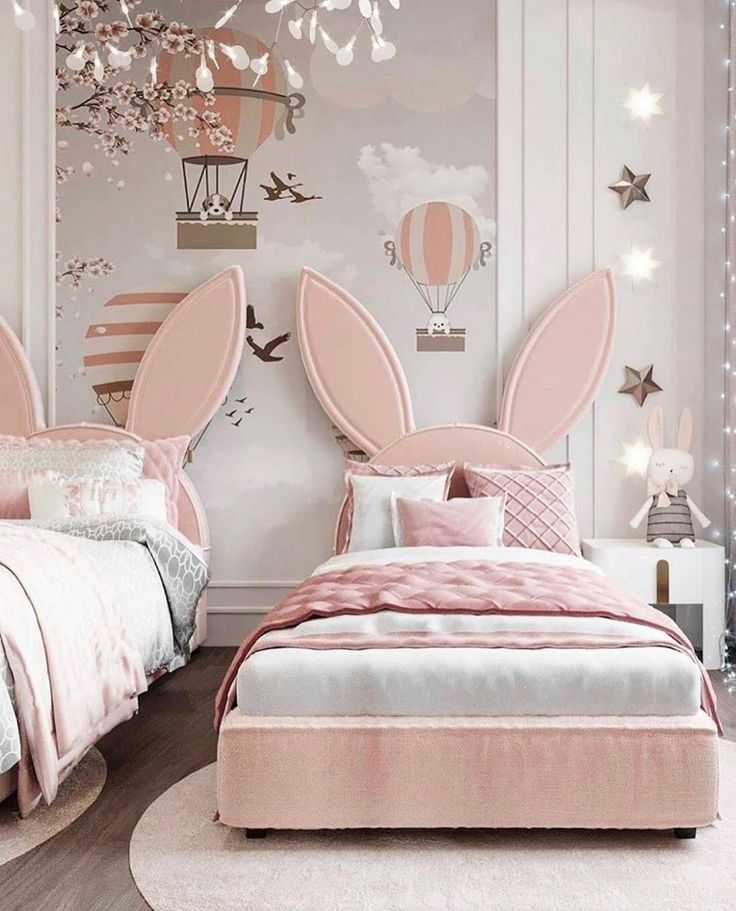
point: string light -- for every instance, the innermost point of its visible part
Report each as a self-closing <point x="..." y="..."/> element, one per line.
<point x="237" y="55"/>
<point x="228" y="14"/>
<point x="153" y="70"/>
<point x="346" y="55"/>
<point x="728" y="643"/>
<point x="23" y="18"/>
<point x="126" y="12"/>
<point x="643" y="104"/>
<point x="77" y="59"/>
<point x="203" y="76"/>
<point x="57" y="19"/>
<point x="98" y="69"/>
<point x="119" y="60"/>
<point x="295" y="79"/>
<point x="328" y="42"/>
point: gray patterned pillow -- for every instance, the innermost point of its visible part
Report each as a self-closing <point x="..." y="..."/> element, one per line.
<point x="74" y="459"/>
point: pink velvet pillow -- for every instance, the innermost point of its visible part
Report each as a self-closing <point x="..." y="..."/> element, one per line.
<point x="454" y="523"/>
<point x="14" y="484"/>
<point x="364" y="469"/>
<point x="540" y="504"/>
<point x="163" y="461"/>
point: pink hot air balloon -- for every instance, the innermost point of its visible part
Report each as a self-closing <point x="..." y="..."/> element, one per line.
<point x="437" y="244"/>
<point x="252" y="110"/>
<point x="115" y="343"/>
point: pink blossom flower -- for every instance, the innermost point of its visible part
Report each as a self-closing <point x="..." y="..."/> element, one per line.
<point x="88" y="9"/>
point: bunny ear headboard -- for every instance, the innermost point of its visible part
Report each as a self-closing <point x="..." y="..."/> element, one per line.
<point x="357" y="377"/>
<point x="182" y="379"/>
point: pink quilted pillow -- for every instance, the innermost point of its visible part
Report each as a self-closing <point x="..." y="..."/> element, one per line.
<point x="14" y="484"/>
<point x="540" y="504"/>
<point x="454" y="523"/>
<point x="163" y="461"/>
<point x="367" y="469"/>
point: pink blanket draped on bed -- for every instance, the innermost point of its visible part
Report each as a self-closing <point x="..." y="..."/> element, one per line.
<point x="466" y="587"/>
<point x="76" y="673"/>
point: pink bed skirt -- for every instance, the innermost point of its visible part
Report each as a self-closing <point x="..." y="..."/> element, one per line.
<point x="562" y="772"/>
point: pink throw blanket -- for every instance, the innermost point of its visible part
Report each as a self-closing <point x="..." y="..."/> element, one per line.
<point x="76" y="673"/>
<point x="466" y="587"/>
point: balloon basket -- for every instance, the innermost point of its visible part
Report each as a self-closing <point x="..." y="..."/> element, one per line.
<point x="438" y="341"/>
<point x="216" y="233"/>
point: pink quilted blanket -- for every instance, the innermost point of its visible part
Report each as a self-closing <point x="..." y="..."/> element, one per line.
<point x="466" y="587"/>
<point x="76" y="673"/>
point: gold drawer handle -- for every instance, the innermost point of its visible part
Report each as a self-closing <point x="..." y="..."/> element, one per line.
<point x="663" y="582"/>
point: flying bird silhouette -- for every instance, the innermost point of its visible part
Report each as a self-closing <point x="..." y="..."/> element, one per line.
<point x="248" y="410"/>
<point x="242" y="400"/>
<point x="296" y="196"/>
<point x="250" y="318"/>
<point x="231" y="414"/>
<point x="236" y="423"/>
<point x="265" y="353"/>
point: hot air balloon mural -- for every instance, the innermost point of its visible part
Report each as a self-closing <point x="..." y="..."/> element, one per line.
<point x="253" y="110"/>
<point x="437" y="244"/>
<point x="115" y="343"/>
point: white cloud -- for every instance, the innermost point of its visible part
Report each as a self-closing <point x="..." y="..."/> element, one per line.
<point x="401" y="178"/>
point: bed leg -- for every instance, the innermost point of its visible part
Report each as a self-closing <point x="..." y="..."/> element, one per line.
<point x="257" y="833"/>
<point x="685" y="833"/>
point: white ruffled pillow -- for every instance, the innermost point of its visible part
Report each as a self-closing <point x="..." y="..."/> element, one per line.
<point x="104" y="498"/>
<point x="89" y="459"/>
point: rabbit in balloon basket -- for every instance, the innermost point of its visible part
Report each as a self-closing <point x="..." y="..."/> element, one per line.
<point x="668" y="508"/>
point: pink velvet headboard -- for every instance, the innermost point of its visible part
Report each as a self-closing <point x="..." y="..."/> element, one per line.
<point x="358" y="379"/>
<point x="182" y="379"/>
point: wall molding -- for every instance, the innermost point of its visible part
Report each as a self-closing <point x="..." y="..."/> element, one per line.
<point x="38" y="193"/>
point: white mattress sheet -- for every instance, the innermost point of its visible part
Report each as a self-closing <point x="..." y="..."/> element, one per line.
<point x="467" y="681"/>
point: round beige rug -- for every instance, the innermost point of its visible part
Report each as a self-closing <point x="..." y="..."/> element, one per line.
<point x="183" y="861"/>
<point x="76" y="794"/>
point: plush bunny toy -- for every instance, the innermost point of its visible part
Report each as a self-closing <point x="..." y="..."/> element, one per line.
<point x="668" y="508"/>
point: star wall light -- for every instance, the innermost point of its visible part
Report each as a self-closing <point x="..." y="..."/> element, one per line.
<point x="631" y="187"/>
<point x="635" y="457"/>
<point x="643" y="104"/>
<point x="639" y="265"/>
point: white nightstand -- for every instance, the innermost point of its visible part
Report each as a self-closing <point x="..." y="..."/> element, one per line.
<point x="669" y="576"/>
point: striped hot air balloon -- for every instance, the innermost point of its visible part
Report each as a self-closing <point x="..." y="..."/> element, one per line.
<point x="115" y="343"/>
<point x="251" y="113"/>
<point x="437" y="243"/>
<point x="251" y="109"/>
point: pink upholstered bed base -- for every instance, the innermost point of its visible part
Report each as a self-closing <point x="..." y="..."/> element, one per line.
<point x="620" y="773"/>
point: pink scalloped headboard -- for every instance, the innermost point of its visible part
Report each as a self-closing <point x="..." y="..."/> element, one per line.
<point x="459" y="443"/>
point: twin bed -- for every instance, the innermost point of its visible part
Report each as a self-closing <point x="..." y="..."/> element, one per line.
<point x="95" y="607"/>
<point x="456" y="686"/>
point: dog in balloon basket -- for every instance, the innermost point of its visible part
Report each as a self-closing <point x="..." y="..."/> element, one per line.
<point x="668" y="507"/>
<point x="438" y="324"/>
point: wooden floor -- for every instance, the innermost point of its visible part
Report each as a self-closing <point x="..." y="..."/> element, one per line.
<point x="85" y="867"/>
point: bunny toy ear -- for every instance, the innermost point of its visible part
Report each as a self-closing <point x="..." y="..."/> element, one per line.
<point x="655" y="426"/>
<point x="561" y="364"/>
<point x="685" y="431"/>
<point x="21" y="406"/>
<point x="191" y="361"/>
<point x="351" y="366"/>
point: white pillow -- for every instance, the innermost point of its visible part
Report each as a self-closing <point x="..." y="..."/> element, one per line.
<point x="372" y="526"/>
<point x="89" y="497"/>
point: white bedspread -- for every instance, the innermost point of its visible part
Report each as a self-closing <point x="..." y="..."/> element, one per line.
<point x="466" y="681"/>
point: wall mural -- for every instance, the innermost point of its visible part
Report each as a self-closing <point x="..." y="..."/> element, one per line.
<point x="355" y="137"/>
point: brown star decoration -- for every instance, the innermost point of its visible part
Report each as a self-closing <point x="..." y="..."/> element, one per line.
<point x="639" y="384"/>
<point x="631" y="187"/>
